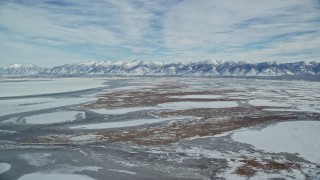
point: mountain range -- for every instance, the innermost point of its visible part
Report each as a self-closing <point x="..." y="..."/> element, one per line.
<point x="147" y="68"/>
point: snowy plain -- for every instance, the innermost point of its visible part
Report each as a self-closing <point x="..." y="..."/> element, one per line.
<point x="301" y="137"/>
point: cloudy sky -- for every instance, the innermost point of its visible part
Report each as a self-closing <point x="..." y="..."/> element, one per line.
<point x="48" y="32"/>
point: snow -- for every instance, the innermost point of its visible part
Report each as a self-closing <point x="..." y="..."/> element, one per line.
<point x="269" y="103"/>
<point x="55" y="176"/>
<point x="14" y="106"/>
<point x="7" y="131"/>
<point x="121" y="110"/>
<point x="47" y="86"/>
<point x="87" y="137"/>
<point x="54" y="117"/>
<point x="37" y="159"/>
<point x="126" y="88"/>
<point x="130" y="123"/>
<point x="198" y="97"/>
<point x="300" y="109"/>
<point x="4" y="167"/>
<point x="122" y="171"/>
<point x="302" y="137"/>
<point x="190" y="105"/>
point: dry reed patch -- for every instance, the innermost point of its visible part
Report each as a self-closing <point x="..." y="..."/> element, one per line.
<point x="53" y="139"/>
<point x="251" y="166"/>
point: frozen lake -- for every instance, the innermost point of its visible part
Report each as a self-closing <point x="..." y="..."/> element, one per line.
<point x="158" y="128"/>
<point x="16" y="88"/>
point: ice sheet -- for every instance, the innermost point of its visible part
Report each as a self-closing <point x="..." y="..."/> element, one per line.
<point x="302" y="137"/>
<point x="48" y="86"/>
<point x="54" y="117"/>
<point x="41" y="176"/>
<point x="130" y="123"/>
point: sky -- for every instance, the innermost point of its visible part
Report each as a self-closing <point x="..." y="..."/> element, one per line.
<point x="49" y="32"/>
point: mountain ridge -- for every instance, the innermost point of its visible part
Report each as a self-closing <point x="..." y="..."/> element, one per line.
<point x="148" y="68"/>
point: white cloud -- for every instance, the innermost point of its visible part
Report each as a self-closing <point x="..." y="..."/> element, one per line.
<point x="34" y="22"/>
<point x="233" y="24"/>
<point x="39" y="31"/>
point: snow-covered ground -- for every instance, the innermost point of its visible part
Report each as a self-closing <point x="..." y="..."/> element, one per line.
<point x="297" y="137"/>
<point x="47" y="86"/>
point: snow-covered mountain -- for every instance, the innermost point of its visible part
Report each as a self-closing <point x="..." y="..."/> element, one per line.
<point x="138" y="67"/>
<point x="21" y="69"/>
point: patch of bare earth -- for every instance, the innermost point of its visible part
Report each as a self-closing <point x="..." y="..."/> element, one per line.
<point x="251" y="166"/>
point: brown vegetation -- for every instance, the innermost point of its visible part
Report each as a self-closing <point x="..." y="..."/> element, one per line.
<point x="251" y="166"/>
<point x="150" y="97"/>
<point x="54" y="139"/>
